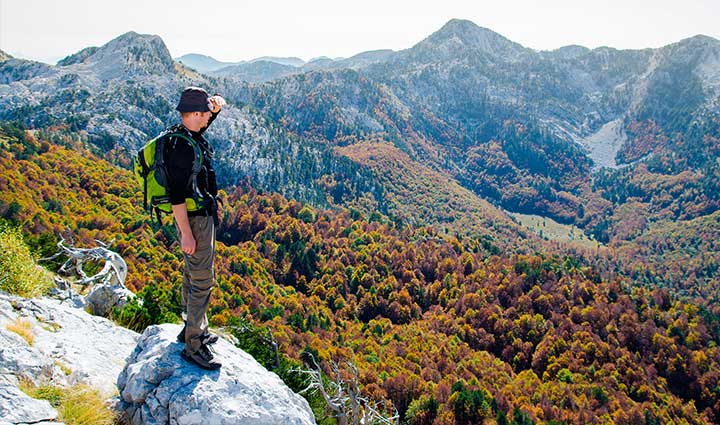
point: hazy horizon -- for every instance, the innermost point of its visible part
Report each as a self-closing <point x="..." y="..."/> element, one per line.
<point x="239" y="31"/>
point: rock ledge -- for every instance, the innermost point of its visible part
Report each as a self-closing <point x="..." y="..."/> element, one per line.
<point x="158" y="386"/>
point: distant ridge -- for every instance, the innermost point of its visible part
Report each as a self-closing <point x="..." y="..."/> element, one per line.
<point x="202" y="63"/>
<point x="208" y="64"/>
<point x="257" y="71"/>
<point x="291" y="61"/>
<point x="504" y="121"/>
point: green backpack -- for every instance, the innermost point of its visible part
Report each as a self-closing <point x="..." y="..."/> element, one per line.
<point x="150" y="171"/>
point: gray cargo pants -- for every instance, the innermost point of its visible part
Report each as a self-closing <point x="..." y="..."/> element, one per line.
<point x="198" y="280"/>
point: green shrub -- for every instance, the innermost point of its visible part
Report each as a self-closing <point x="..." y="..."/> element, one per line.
<point x="564" y="375"/>
<point x="19" y="274"/>
<point x="151" y="306"/>
<point x="422" y="410"/>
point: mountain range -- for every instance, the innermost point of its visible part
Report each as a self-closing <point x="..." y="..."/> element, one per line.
<point x="268" y="68"/>
<point x="614" y="142"/>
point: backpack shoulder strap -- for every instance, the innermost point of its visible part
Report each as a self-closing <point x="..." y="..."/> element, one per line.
<point x="197" y="161"/>
<point x="197" y="156"/>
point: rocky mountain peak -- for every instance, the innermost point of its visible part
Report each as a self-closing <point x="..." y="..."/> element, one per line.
<point x="700" y="40"/>
<point x="699" y="53"/>
<point x="461" y="27"/>
<point x="460" y="35"/>
<point x="4" y="56"/>
<point x="709" y="66"/>
<point x="129" y="55"/>
<point x="696" y="46"/>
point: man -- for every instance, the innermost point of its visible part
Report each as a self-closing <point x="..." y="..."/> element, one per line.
<point x="196" y="228"/>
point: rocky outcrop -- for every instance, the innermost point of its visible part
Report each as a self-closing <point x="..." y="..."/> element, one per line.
<point x="102" y="298"/>
<point x="65" y="293"/>
<point x="69" y="345"/>
<point x="158" y="387"/>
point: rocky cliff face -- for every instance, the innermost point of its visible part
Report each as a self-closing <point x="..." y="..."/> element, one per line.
<point x="462" y="74"/>
<point x="155" y="384"/>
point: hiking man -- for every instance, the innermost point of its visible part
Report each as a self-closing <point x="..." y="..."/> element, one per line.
<point x="196" y="225"/>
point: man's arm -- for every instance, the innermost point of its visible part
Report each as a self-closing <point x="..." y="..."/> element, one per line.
<point x="179" y="157"/>
<point x="187" y="240"/>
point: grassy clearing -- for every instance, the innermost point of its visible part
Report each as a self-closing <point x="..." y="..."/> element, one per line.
<point x="550" y="229"/>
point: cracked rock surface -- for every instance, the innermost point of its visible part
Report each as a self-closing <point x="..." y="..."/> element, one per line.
<point x="68" y="346"/>
<point x="159" y="387"/>
<point x="93" y="349"/>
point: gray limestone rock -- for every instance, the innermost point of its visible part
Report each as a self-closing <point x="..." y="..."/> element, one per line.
<point x="102" y="298"/>
<point x="21" y="361"/>
<point x="159" y="387"/>
<point x="16" y="407"/>
<point x="66" y="339"/>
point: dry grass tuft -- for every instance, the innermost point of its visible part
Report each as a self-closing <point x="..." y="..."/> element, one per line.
<point x="22" y="327"/>
<point x="76" y="405"/>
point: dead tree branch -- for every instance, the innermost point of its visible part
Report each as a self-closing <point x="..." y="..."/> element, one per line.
<point x="344" y="398"/>
<point x="114" y="270"/>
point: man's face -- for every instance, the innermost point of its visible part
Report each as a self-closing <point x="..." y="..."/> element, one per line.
<point x="203" y="118"/>
<point x="196" y="121"/>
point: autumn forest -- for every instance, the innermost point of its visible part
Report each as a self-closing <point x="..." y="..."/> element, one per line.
<point x="449" y="329"/>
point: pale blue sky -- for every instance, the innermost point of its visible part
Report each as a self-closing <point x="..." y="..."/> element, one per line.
<point x="240" y="30"/>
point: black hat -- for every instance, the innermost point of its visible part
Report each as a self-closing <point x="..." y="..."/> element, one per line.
<point x="193" y="99"/>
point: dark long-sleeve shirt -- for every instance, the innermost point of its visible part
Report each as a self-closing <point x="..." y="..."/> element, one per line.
<point x="179" y="156"/>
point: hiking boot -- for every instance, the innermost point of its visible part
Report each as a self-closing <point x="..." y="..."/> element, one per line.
<point x="207" y="337"/>
<point x="202" y="357"/>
